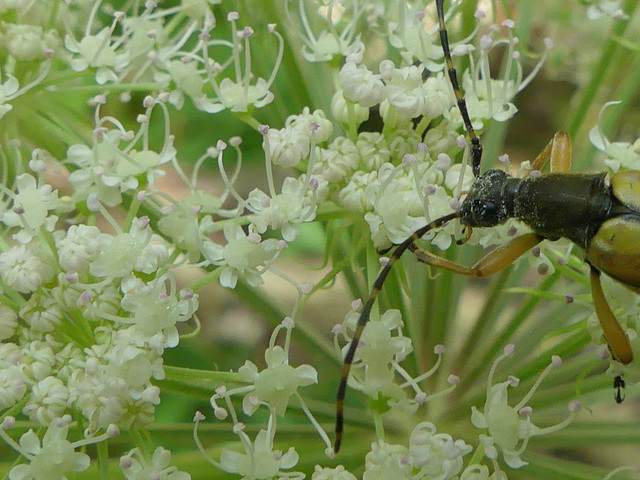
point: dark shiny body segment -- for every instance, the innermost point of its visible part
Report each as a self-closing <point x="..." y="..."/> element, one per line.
<point x="558" y="205"/>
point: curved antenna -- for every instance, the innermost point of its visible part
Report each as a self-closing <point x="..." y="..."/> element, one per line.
<point x="476" y="148"/>
<point x="366" y="313"/>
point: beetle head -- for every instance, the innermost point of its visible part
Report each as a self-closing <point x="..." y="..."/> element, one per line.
<point x="485" y="205"/>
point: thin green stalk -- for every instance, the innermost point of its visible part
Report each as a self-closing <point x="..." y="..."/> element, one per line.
<point x="199" y="378"/>
<point x="103" y="460"/>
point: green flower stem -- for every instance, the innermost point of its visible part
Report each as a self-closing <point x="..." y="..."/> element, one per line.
<point x="351" y="246"/>
<point x="625" y="93"/>
<point x="7" y="302"/>
<point x="206" y="279"/>
<point x="116" y="87"/>
<point x="377" y="421"/>
<point x="249" y="120"/>
<point x="175" y="22"/>
<point x="53" y="132"/>
<point x="331" y="275"/>
<point x="478" y="455"/>
<point x="352" y="127"/>
<point x="15" y="409"/>
<point x="559" y="390"/>
<point x="142" y="440"/>
<point x="132" y="211"/>
<point x="536" y="293"/>
<point x="172" y="259"/>
<point x="342" y="251"/>
<point x="103" y="460"/>
<point x="206" y="379"/>
<point x="541" y="331"/>
<point x="372" y="268"/>
<point x="60" y="78"/>
<point x="11" y="295"/>
<point x="394" y="287"/>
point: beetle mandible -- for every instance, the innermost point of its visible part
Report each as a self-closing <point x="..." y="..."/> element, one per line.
<point x="599" y="215"/>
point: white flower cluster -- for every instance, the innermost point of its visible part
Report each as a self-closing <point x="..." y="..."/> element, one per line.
<point x="404" y="176"/>
<point x="87" y="314"/>
<point x="141" y="46"/>
<point x="84" y="335"/>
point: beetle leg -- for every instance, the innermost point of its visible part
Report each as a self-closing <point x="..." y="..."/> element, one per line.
<point x="619" y="385"/>
<point x="558" y="151"/>
<point x="491" y="263"/>
<point x="613" y="332"/>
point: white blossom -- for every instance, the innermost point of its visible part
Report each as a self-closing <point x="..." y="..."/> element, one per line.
<point x="241" y="256"/>
<point x="27" y="42"/>
<point x="155" y="307"/>
<point x="8" y="322"/>
<point x="353" y="196"/>
<point x="285" y="210"/>
<point x="125" y="253"/>
<point x="404" y="92"/>
<point x="373" y="150"/>
<point x="259" y="461"/>
<point x="437" y="455"/>
<point x="336" y="162"/>
<point x="327" y="473"/>
<point x="47" y="401"/>
<point x="12" y="386"/>
<point x="34" y="203"/>
<point x="23" y="269"/>
<point x="360" y="85"/>
<point x="41" y="313"/>
<point x="386" y="461"/>
<point x="604" y="8"/>
<point x="505" y="428"/>
<point x="79" y="246"/>
<point x="346" y="112"/>
<point x="135" y="466"/>
<point x="289" y="146"/>
<point x="97" y="51"/>
<point x="373" y="372"/>
<point x="52" y="459"/>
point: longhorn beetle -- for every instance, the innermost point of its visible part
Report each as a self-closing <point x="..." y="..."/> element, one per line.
<point x="600" y="216"/>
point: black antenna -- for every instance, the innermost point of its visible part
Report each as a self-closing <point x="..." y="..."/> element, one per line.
<point x="476" y="148"/>
<point x="365" y="315"/>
